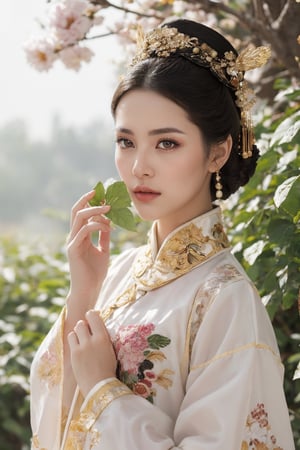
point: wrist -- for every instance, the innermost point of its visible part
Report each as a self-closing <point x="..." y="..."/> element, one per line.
<point x="76" y="308"/>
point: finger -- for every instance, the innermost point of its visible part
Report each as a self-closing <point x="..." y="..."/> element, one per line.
<point x="96" y="324"/>
<point x="82" y="331"/>
<point x="81" y="203"/>
<point x="85" y="232"/>
<point x="104" y="241"/>
<point x="73" y="340"/>
<point x="84" y="215"/>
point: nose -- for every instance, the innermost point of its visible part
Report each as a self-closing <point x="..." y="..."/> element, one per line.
<point x="141" y="166"/>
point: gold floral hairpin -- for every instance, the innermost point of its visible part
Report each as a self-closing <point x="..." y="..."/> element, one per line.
<point x="165" y="41"/>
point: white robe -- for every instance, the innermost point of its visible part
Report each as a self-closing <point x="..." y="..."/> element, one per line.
<point x="199" y="366"/>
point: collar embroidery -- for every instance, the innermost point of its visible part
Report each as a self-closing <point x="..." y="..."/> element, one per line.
<point x="184" y="249"/>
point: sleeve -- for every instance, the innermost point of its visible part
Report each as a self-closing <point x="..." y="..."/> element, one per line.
<point x="46" y="385"/>
<point x="234" y="396"/>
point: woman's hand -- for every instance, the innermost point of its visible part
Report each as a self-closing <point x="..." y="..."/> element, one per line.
<point x="92" y="355"/>
<point x="88" y="261"/>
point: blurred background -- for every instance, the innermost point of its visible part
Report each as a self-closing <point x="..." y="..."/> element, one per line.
<point x="56" y="135"/>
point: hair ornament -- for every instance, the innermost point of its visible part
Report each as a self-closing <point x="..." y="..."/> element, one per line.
<point x="229" y="69"/>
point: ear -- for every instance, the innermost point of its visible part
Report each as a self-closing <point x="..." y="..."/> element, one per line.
<point x="219" y="154"/>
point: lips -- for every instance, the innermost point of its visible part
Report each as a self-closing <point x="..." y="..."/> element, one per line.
<point x="145" y="194"/>
<point x="144" y="190"/>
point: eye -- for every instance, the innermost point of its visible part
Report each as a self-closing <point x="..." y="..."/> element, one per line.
<point x="124" y="143"/>
<point x="167" y="144"/>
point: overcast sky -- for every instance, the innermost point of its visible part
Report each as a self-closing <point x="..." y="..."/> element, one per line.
<point x="77" y="97"/>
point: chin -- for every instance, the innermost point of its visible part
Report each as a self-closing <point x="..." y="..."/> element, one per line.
<point x="148" y="216"/>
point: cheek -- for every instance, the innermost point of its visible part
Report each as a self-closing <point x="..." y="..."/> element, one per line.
<point x="122" y="164"/>
<point x="188" y="167"/>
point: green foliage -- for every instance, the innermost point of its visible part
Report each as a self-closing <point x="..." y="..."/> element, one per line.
<point x="33" y="284"/>
<point x="264" y="219"/>
<point x="115" y="195"/>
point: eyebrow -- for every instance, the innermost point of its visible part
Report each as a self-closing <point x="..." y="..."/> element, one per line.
<point x="153" y="132"/>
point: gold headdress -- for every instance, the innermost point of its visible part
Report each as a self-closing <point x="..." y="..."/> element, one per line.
<point x="229" y="69"/>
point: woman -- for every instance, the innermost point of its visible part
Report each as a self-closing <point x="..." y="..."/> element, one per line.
<point x="182" y="354"/>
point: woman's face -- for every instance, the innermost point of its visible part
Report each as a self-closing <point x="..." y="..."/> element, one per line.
<point x="161" y="157"/>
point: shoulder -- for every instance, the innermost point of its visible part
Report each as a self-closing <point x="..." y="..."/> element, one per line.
<point x="229" y="298"/>
<point x="222" y="271"/>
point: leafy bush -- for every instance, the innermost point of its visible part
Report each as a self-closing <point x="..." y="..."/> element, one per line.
<point x="33" y="286"/>
<point x="264" y="220"/>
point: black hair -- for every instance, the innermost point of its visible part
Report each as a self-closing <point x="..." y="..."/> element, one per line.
<point x="208" y="102"/>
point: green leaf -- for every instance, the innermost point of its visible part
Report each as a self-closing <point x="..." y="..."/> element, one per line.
<point x="287" y="130"/>
<point x="253" y="251"/>
<point x="156" y="341"/>
<point x="99" y="196"/>
<point x="280" y="231"/>
<point x="122" y="217"/>
<point x="289" y="300"/>
<point x="117" y="195"/>
<point x="287" y="196"/>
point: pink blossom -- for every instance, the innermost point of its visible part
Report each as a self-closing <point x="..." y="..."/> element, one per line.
<point x="69" y="22"/>
<point x="73" y="56"/>
<point x="41" y="53"/>
<point x="130" y="360"/>
<point x="130" y="344"/>
<point x="135" y="335"/>
<point x="97" y="20"/>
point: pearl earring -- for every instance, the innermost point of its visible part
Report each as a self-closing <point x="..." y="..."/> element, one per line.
<point x="218" y="186"/>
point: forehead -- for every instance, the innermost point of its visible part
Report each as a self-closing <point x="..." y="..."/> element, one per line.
<point x="143" y="105"/>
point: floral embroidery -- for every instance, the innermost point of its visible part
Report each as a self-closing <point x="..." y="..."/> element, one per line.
<point x="35" y="443"/>
<point x="185" y="249"/>
<point x="137" y="350"/>
<point x="49" y="368"/>
<point x="206" y="294"/>
<point x="189" y="247"/>
<point x="258" y="431"/>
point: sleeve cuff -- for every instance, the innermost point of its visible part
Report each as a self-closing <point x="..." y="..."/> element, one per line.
<point x="95" y="389"/>
<point x="99" y="397"/>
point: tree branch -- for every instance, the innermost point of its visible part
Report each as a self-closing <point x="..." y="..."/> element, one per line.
<point x="210" y="6"/>
<point x="107" y="4"/>
<point x="97" y="36"/>
<point x="277" y="23"/>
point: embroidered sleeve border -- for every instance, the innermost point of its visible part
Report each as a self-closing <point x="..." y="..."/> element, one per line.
<point x="104" y="396"/>
<point x="99" y="400"/>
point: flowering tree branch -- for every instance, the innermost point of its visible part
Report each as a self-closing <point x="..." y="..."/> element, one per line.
<point x="71" y="23"/>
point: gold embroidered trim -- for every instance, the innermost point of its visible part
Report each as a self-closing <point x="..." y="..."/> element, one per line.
<point x="205" y="296"/>
<point x="50" y="367"/>
<point x="127" y="297"/>
<point x="187" y="248"/>
<point x="83" y="426"/>
<point x="35" y="443"/>
<point x="237" y="350"/>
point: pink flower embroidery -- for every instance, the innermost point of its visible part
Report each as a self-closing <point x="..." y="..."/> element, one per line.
<point x="137" y="349"/>
<point x="130" y="345"/>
